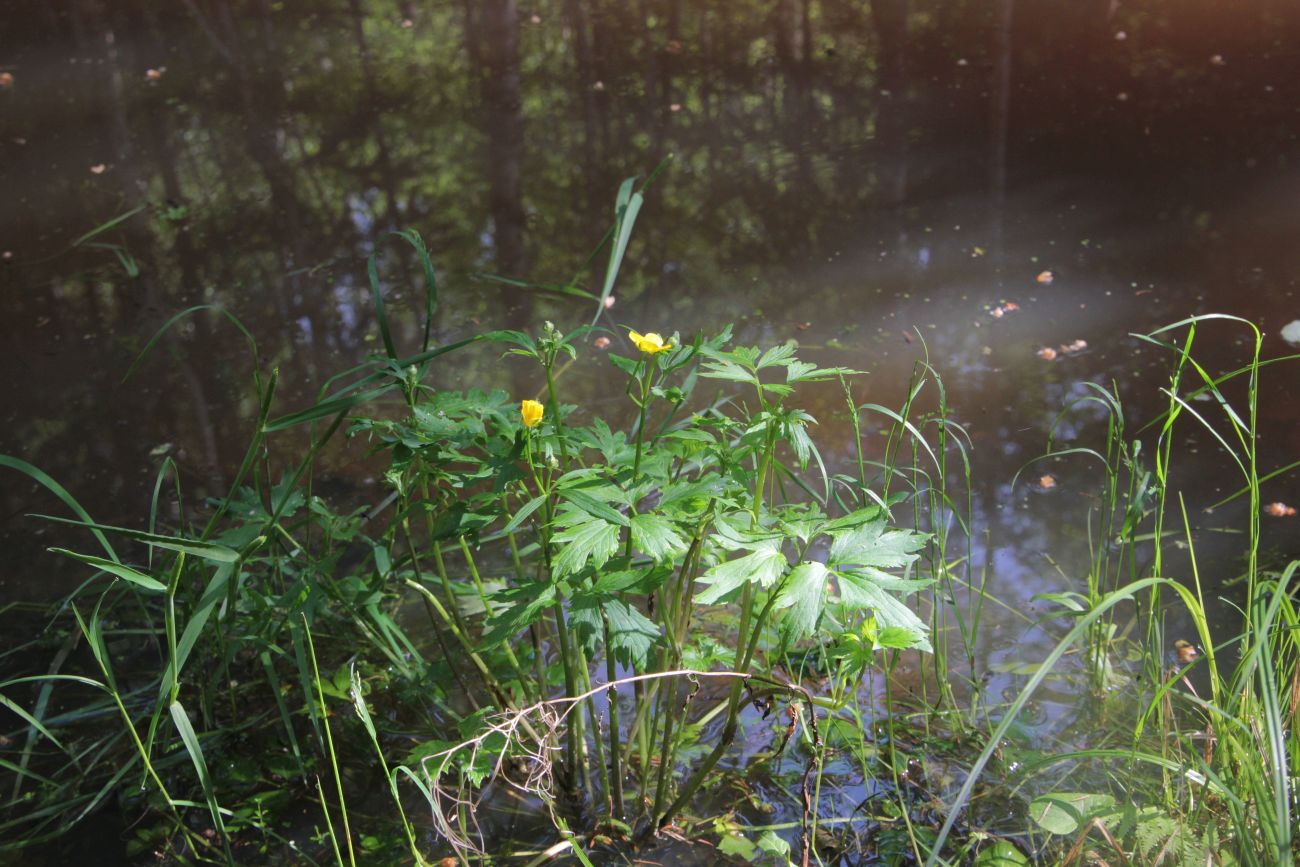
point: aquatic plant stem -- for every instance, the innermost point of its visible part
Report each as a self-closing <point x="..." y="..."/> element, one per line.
<point x="487" y="610"/>
<point x="573" y="733"/>
<point x="616" y="769"/>
<point x="449" y="622"/>
<point x="92" y="633"/>
<point x="742" y="660"/>
<point x="329" y="742"/>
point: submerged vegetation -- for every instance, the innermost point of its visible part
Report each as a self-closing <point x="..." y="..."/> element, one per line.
<point x="562" y="635"/>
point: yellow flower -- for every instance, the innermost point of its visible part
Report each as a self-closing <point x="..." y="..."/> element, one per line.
<point x="650" y="343"/>
<point x="531" y="412"/>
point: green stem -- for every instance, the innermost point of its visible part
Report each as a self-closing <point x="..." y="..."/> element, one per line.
<point x="555" y="414"/>
<point x="743" y="641"/>
<point x="329" y="741"/>
<point x="450" y="622"/>
<point x="487" y="611"/>
<point x="611" y="672"/>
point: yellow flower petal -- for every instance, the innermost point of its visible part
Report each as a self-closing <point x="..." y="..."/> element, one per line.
<point x="531" y="412"/>
<point x="649" y="343"/>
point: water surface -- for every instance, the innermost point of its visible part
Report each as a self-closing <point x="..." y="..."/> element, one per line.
<point x="874" y="180"/>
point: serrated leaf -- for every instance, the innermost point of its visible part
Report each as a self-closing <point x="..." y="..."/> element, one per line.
<point x="590" y="540"/>
<point x="763" y="565"/>
<point x="729" y="370"/>
<point x="777" y="355"/>
<point x="634" y="580"/>
<point x="816" y="374"/>
<point x="861" y="591"/>
<point x="797" y="436"/>
<point x="631" y="634"/>
<point x="517" y="607"/>
<point x="805" y="596"/>
<point x="899" y="638"/>
<point x="594" y="507"/>
<point x="656" y="537"/>
<point x="626" y="365"/>
<point x="524" y="511"/>
<point x="855" y="518"/>
<point x="691" y="496"/>
<point x="612" y="446"/>
<point x="733" y="537"/>
<point x="871" y="544"/>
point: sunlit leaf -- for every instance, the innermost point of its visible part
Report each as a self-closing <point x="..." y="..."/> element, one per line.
<point x="656" y="536"/>
<point x="587" y="539"/>
<point x="805" y="596"/>
<point x="126" y="573"/>
<point x="763" y="565"/>
<point x="872" y="544"/>
<point x="861" y="591"/>
<point x="1065" y="812"/>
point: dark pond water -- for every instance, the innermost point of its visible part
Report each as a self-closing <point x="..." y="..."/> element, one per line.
<point x="864" y="177"/>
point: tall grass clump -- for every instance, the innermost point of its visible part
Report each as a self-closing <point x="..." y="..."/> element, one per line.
<point x="1208" y="778"/>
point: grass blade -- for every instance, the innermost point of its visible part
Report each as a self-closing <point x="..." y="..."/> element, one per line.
<point x="192" y="746"/>
<point x="205" y="550"/>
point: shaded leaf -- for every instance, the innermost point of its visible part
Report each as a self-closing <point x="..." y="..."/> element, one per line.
<point x="630" y="633"/>
<point x="126" y="573"/>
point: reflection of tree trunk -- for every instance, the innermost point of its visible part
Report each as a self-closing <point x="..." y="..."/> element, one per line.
<point x="890" y="18"/>
<point x="891" y="32"/>
<point x="576" y="20"/>
<point x="503" y="124"/>
<point x="373" y="99"/>
<point x="806" y="33"/>
<point x="473" y="38"/>
<point x="143" y="239"/>
<point x="1000" y="111"/>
